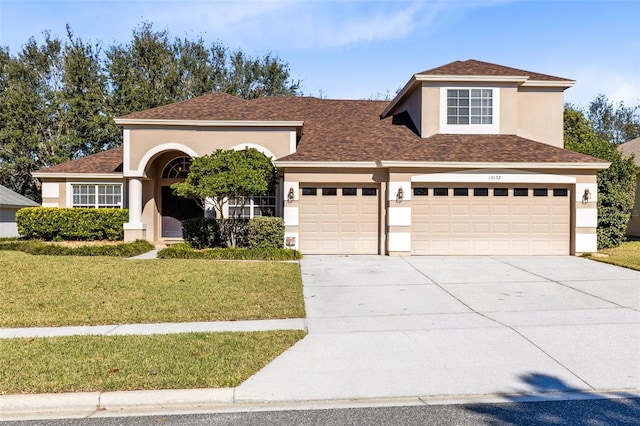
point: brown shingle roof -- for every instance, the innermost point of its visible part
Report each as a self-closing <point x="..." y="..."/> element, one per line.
<point x="351" y="130"/>
<point x="474" y="67"/>
<point x="109" y="161"/>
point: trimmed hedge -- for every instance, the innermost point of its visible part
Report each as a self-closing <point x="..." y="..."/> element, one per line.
<point x="183" y="251"/>
<point x="71" y="224"/>
<point x="261" y="232"/>
<point x="265" y="232"/>
<point x="37" y="247"/>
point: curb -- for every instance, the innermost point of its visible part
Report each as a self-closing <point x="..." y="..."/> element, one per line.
<point x="222" y="400"/>
<point x="85" y="404"/>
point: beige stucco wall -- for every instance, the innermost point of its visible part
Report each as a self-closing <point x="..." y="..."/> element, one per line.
<point x="430" y="109"/>
<point x="204" y="141"/>
<point x="532" y="113"/>
<point x="541" y="114"/>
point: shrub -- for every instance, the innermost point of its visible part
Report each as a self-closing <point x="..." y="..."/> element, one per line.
<point x="202" y="232"/>
<point x="37" y="247"/>
<point x="183" y="251"/>
<point x="52" y="223"/>
<point x="265" y="232"/>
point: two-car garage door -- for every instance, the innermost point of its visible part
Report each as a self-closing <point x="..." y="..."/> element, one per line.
<point x="508" y="219"/>
<point x="339" y="219"/>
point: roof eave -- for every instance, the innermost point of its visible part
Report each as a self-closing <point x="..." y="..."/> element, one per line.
<point x="207" y="123"/>
<point x="76" y="175"/>
<point x="326" y="164"/>
<point x="508" y="165"/>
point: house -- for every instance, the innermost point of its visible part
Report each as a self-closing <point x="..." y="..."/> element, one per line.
<point x="628" y="148"/>
<point x="466" y="159"/>
<point x="10" y="203"/>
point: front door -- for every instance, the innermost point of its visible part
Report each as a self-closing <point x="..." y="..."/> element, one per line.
<point x="174" y="210"/>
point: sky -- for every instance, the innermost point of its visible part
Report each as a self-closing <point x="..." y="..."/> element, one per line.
<point x="357" y="49"/>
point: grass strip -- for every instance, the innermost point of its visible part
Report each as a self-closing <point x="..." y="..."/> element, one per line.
<point x="626" y="255"/>
<point x="110" y="363"/>
<point x="183" y="251"/>
<point x="68" y="290"/>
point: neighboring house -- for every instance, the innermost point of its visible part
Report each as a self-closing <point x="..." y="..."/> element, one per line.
<point x="628" y="148"/>
<point x="10" y="203"/>
<point x="466" y="159"/>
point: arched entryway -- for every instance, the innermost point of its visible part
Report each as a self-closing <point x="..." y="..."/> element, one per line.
<point x="174" y="209"/>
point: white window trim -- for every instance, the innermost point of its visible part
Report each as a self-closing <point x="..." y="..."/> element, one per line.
<point x="250" y="203"/>
<point x="470" y="129"/>
<point x="70" y="186"/>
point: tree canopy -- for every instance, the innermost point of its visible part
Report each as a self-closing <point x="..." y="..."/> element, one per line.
<point x="224" y="175"/>
<point x="58" y="97"/>
<point x="616" y="185"/>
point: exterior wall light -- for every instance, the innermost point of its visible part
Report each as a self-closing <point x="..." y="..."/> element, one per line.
<point x="586" y="196"/>
<point x="290" y="195"/>
<point x="399" y="195"/>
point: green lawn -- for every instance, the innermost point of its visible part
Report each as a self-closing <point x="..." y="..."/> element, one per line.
<point x="98" y="363"/>
<point x="42" y="291"/>
<point x="73" y="290"/>
<point x="627" y="255"/>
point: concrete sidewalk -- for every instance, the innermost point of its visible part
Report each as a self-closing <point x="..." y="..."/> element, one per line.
<point x="420" y="330"/>
<point x="160" y="328"/>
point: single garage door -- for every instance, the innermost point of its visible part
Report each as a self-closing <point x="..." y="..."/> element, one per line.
<point x="339" y="219"/>
<point x="477" y="220"/>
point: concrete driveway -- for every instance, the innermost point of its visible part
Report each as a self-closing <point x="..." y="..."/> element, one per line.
<point x="393" y="327"/>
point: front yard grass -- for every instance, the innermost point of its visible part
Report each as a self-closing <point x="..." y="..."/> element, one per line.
<point x="99" y="363"/>
<point x="39" y="291"/>
<point x="626" y="255"/>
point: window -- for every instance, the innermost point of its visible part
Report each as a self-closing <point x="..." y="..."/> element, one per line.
<point x="254" y="206"/>
<point x="420" y="192"/>
<point x="96" y="196"/>
<point x="309" y="191"/>
<point x="369" y="192"/>
<point x="178" y="168"/>
<point x="469" y="106"/>
<point x="329" y="191"/>
<point x="349" y="192"/>
<point x="500" y="192"/>
<point x="460" y="192"/>
<point x="520" y="192"/>
<point x="560" y="192"/>
<point x="480" y="192"/>
<point x="441" y="192"/>
<point x="540" y="192"/>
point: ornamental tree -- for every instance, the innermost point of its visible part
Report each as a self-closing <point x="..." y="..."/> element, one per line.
<point x="227" y="174"/>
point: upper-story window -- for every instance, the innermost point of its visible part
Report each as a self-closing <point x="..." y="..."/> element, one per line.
<point x="470" y="110"/>
<point x="469" y="106"/>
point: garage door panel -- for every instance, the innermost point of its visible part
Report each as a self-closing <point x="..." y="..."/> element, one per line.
<point x="440" y="210"/>
<point x="480" y="228"/>
<point x="329" y="209"/>
<point x="461" y="210"/>
<point x="480" y="209"/>
<point x="491" y="225"/>
<point x="500" y="210"/>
